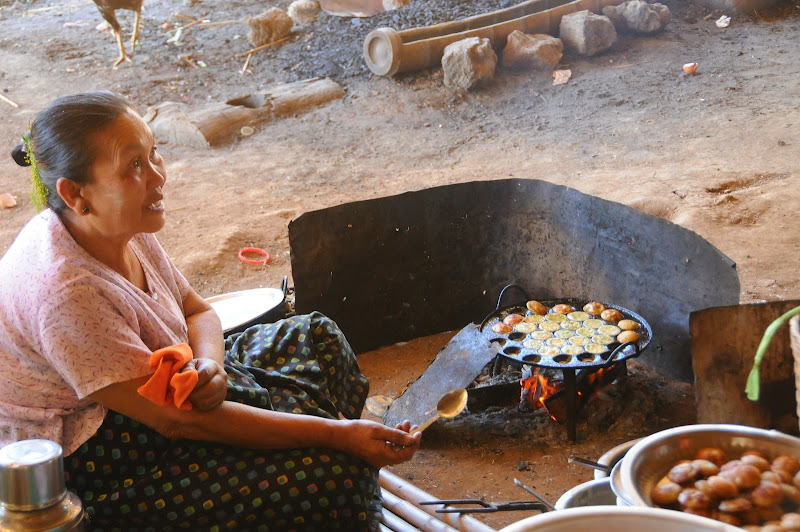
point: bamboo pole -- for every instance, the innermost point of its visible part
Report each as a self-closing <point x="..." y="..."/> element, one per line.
<point x="414" y="515"/>
<point x="408" y="492"/>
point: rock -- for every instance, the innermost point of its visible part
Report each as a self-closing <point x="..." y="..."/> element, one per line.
<point x="638" y="16"/>
<point x="303" y="11"/>
<point x="468" y="63"/>
<point x="537" y="51"/>
<point x="7" y="201"/>
<point x="587" y="33"/>
<point x="389" y="5"/>
<point x="270" y="26"/>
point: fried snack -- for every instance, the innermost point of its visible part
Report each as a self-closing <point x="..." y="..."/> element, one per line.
<point x="739" y="504"/>
<point x="666" y="492"/>
<point x="744" y="476"/>
<point x="536" y="307"/>
<point x="611" y="314"/>
<point x="789" y="464"/>
<point x="683" y="473"/>
<point x="628" y="325"/>
<point x="594" y="308"/>
<point x="512" y="319"/>
<point x="767" y="494"/>
<point x="750" y="492"/>
<point x="694" y="498"/>
<point x="712" y="454"/>
<point x="563" y="308"/>
<point x="707" y="468"/>
<point x="627" y="336"/>
<point x="722" y="487"/>
<point x="758" y="461"/>
<point x="502" y="328"/>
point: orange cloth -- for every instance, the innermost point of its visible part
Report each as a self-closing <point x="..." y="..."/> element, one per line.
<point x="168" y="385"/>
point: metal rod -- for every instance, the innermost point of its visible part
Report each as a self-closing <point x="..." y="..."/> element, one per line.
<point x="530" y="490"/>
<point x="407" y="491"/>
<point x="571" y="388"/>
<point x="583" y="461"/>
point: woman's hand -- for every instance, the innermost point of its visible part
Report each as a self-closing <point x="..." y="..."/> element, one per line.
<point x="380" y="445"/>
<point x="212" y="384"/>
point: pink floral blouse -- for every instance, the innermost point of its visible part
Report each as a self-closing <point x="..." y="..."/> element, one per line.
<point x="70" y="325"/>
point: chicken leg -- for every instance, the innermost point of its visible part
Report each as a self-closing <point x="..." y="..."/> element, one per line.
<point x="107" y="8"/>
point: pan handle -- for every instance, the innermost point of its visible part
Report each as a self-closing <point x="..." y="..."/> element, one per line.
<point x="503" y="292"/>
<point x="612" y="359"/>
<point x="500" y="301"/>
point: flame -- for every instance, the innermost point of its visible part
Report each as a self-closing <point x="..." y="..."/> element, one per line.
<point x="536" y="390"/>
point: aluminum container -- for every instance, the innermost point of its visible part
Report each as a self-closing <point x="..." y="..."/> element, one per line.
<point x="596" y="492"/>
<point x="613" y="456"/>
<point x="618" y="519"/>
<point x="33" y="496"/>
<point x="649" y="460"/>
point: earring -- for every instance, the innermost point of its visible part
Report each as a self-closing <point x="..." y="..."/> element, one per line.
<point x="86" y="210"/>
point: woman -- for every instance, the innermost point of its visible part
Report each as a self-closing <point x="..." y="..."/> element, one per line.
<point x="88" y="296"/>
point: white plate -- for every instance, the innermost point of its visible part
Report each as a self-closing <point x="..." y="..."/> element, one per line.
<point x="237" y="308"/>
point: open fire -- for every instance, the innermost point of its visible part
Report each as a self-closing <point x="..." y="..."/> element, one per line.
<point x="542" y="388"/>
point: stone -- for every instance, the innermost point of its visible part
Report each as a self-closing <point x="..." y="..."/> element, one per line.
<point x="638" y="16"/>
<point x="303" y="11"/>
<point x="468" y="63"/>
<point x="537" y="51"/>
<point x="586" y="33"/>
<point x="271" y="25"/>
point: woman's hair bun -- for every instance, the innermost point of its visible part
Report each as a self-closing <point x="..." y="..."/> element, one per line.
<point x="20" y="156"/>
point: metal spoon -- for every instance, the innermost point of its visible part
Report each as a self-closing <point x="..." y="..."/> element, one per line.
<point x="595" y="465"/>
<point x="448" y="406"/>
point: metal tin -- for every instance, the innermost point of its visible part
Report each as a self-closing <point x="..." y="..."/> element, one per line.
<point x="64" y="516"/>
<point x="33" y="496"/>
<point x="31" y="475"/>
<point x="649" y="460"/>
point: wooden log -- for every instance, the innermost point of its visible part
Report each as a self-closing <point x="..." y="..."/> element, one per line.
<point x="556" y="404"/>
<point x="408" y="492"/>
<point x="723" y="344"/>
<point x="219" y="123"/>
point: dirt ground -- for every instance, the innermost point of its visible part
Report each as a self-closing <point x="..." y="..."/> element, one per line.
<point x="717" y="152"/>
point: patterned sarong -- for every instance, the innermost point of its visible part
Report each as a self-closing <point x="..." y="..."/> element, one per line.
<point x="130" y="478"/>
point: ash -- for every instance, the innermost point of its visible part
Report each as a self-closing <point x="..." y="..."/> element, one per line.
<point x="332" y="46"/>
<point x="644" y="403"/>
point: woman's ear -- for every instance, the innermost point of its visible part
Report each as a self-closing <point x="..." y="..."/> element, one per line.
<point x="70" y="192"/>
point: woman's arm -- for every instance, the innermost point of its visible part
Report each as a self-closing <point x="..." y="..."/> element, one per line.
<point x="208" y="347"/>
<point x="245" y="426"/>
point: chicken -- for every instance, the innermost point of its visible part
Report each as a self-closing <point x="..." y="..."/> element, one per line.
<point x="107" y="9"/>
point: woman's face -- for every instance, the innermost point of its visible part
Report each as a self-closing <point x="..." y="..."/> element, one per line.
<point x="124" y="191"/>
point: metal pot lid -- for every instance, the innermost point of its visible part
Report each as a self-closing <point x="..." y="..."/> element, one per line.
<point x="31" y="475"/>
<point x="237" y="308"/>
